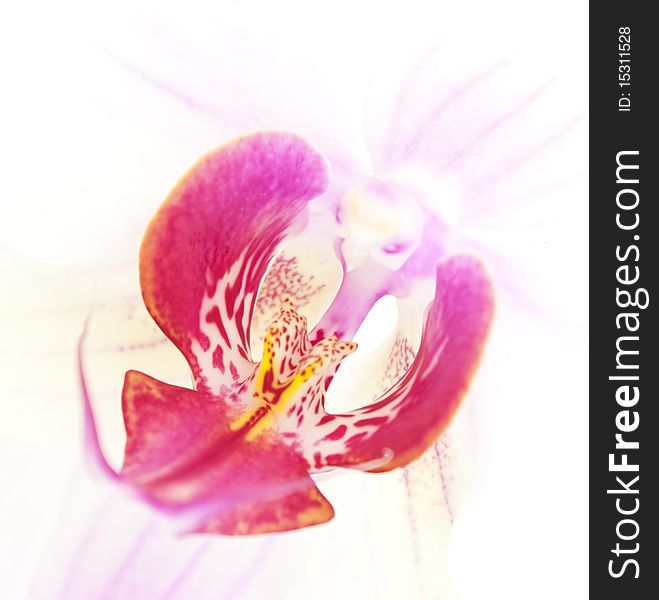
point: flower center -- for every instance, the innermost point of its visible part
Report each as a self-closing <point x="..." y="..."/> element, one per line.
<point x="293" y="374"/>
<point x="382" y="219"/>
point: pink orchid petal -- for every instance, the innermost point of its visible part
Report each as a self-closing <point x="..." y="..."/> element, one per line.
<point x="167" y="426"/>
<point x="182" y="452"/>
<point x="411" y="415"/>
<point x="208" y="247"/>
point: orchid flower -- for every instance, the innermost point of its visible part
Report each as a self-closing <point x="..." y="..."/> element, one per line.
<point x="452" y="131"/>
<point x="239" y="447"/>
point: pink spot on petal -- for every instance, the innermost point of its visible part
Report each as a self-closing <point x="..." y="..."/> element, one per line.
<point x="371" y="421"/>
<point x="337" y="434"/>
<point x="326" y="419"/>
<point x="218" y="358"/>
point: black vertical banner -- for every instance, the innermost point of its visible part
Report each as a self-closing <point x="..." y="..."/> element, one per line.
<point x="624" y="267"/>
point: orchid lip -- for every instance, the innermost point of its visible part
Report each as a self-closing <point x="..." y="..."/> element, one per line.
<point x="238" y="449"/>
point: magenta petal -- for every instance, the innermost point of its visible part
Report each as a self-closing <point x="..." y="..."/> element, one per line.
<point x="182" y="454"/>
<point x="411" y="415"/>
<point x="206" y="250"/>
